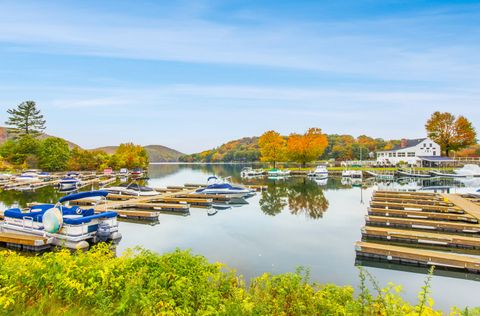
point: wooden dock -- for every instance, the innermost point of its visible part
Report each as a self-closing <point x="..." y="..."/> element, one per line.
<point x="25" y="242"/>
<point x="422" y="228"/>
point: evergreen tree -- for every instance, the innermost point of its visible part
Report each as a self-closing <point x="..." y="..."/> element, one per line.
<point x="26" y="119"/>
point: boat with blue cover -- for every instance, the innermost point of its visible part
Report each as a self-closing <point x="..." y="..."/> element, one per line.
<point x="68" y="226"/>
<point x="221" y="186"/>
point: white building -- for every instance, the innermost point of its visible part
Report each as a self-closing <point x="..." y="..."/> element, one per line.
<point x="410" y="151"/>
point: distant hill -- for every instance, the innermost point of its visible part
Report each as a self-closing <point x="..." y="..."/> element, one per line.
<point x="156" y="153"/>
<point x="5" y="135"/>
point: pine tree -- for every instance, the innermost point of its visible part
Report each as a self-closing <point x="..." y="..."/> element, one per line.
<point x="26" y="119"/>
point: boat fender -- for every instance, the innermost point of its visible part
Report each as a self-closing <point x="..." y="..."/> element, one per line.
<point x="52" y="220"/>
<point x="103" y="231"/>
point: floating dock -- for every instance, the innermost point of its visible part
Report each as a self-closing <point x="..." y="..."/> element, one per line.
<point x="421" y="228"/>
<point x="24" y="242"/>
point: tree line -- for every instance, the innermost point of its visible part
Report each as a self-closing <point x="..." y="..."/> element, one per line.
<point x="27" y="149"/>
<point x="452" y="133"/>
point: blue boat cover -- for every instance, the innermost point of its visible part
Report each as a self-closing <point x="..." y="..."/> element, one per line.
<point x="82" y="195"/>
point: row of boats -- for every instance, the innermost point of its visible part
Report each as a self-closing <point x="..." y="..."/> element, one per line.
<point x="320" y="171"/>
<point x="77" y="228"/>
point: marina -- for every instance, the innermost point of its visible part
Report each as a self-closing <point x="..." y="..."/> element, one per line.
<point x="235" y="230"/>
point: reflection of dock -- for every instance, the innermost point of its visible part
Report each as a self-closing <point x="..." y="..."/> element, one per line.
<point x="422" y="228"/>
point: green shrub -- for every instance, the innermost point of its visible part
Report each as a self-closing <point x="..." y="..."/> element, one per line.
<point x="178" y="283"/>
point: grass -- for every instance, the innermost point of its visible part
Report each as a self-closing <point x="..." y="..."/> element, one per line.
<point x="141" y="282"/>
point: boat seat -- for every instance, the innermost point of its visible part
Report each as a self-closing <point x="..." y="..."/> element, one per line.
<point x="86" y="219"/>
<point x="17" y="213"/>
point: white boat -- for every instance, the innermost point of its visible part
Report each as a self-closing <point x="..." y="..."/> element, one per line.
<point x="321" y="181"/>
<point x="137" y="173"/>
<point x="320" y="172"/>
<point x="132" y="189"/>
<point x="278" y="173"/>
<point x="356" y="174"/>
<point x="27" y="178"/>
<point x="468" y="171"/>
<point x="250" y="172"/>
<point x="69" y="183"/>
<point x="222" y="187"/>
<point x="5" y="176"/>
<point x="70" y="227"/>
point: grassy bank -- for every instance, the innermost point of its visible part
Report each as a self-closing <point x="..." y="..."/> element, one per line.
<point x="178" y="283"/>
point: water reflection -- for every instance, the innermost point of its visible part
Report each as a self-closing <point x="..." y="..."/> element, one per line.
<point x="302" y="196"/>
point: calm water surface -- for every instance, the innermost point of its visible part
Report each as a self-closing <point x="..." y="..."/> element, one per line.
<point x="296" y="222"/>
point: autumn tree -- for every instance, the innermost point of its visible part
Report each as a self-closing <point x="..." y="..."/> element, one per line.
<point x="449" y="132"/>
<point x="307" y="147"/>
<point x="130" y="156"/>
<point x="26" y="119"/>
<point x="272" y="147"/>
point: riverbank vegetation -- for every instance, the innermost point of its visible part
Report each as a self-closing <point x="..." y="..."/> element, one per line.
<point x="179" y="283"/>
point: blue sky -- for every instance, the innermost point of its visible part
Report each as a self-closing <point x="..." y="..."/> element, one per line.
<point x="192" y="75"/>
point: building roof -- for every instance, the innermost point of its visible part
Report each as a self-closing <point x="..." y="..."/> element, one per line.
<point x="409" y="143"/>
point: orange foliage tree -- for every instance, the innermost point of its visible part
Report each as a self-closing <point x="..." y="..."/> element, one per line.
<point x="272" y="147"/>
<point x="307" y="147"/>
<point x="449" y="132"/>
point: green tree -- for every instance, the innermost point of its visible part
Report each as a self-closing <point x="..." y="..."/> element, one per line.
<point x="54" y="154"/>
<point x="449" y="132"/>
<point x="26" y="119"/>
<point x="18" y="151"/>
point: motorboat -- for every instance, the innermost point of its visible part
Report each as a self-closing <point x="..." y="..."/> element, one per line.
<point x="132" y="189"/>
<point x="27" y="178"/>
<point x="69" y="183"/>
<point x="137" y="172"/>
<point x="64" y="226"/>
<point x="223" y="187"/>
<point x="469" y="170"/>
<point x="123" y="171"/>
<point x="5" y="176"/>
<point x="355" y="174"/>
<point x="320" y="172"/>
<point x="250" y="172"/>
<point x="278" y="172"/>
<point x="321" y="181"/>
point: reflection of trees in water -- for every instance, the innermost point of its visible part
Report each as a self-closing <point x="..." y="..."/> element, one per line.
<point x="162" y="170"/>
<point x="21" y="198"/>
<point x="307" y="198"/>
<point x="301" y="196"/>
<point x="273" y="200"/>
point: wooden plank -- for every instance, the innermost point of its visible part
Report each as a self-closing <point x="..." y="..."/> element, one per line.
<point x="411" y="201"/>
<point x="21" y="239"/>
<point x="422" y="214"/>
<point x="421" y="237"/>
<point x="469" y="207"/>
<point x="419" y="255"/>
<point x="423" y="224"/>
<point x="421" y="207"/>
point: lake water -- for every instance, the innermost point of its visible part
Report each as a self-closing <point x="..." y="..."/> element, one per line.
<point x="295" y="222"/>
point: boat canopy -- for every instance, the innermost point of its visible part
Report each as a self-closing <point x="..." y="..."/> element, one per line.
<point x="83" y="195"/>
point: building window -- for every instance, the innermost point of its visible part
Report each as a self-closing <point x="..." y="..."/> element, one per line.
<point x="411" y="154"/>
<point x="434" y="153"/>
<point x="431" y="144"/>
<point x="390" y="154"/>
<point x="401" y="155"/>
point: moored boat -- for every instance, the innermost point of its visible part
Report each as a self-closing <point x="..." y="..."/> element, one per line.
<point x="69" y="183"/>
<point x="250" y="172"/>
<point x="274" y="172"/>
<point x="132" y="189"/>
<point x="469" y="170"/>
<point x="70" y="227"/>
<point x="320" y="172"/>
<point x="355" y="174"/>
<point x="223" y="187"/>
